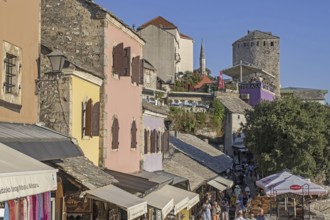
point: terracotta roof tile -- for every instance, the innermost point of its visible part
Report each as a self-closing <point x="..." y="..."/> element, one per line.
<point x="185" y="36"/>
<point x="158" y="22"/>
<point x="205" y="80"/>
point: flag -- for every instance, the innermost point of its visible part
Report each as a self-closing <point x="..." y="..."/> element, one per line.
<point x="221" y="82"/>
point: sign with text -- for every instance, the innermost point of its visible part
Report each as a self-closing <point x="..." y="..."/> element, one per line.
<point x="13" y="186"/>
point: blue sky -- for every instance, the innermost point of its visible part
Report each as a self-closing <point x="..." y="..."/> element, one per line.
<point x="302" y="25"/>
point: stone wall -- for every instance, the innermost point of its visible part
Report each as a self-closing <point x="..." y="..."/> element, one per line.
<point x="266" y="57"/>
<point x="54" y="98"/>
<point x="72" y="27"/>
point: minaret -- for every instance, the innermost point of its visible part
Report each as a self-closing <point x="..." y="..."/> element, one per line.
<point x="202" y="61"/>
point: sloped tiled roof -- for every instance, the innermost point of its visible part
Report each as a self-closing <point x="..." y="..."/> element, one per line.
<point x="158" y="22"/>
<point x="148" y="65"/>
<point x="85" y="172"/>
<point x="234" y="104"/>
<point x="196" y="173"/>
<point x="155" y="108"/>
<point x="185" y="36"/>
<point x="38" y="142"/>
<point x="201" y="152"/>
<point x="205" y="80"/>
<point x="306" y="93"/>
<point x="257" y="35"/>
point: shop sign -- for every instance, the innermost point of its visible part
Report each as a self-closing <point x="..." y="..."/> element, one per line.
<point x="295" y="187"/>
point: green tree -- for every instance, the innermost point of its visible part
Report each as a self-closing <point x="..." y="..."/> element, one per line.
<point x="289" y="133"/>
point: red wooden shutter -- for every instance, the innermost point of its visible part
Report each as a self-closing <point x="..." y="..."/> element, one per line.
<point x="118" y="59"/>
<point x="127" y="61"/>
<point x="88" y="127"/>
<point x="133" y="135"/>
<point x="96" y="119"/>
<point x="136" y="66"/>
<point x="115" y="134"/>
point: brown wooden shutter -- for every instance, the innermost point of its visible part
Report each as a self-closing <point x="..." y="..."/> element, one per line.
<point x="127" y="61"/>
<point x="165" y="142"/>
<point x="88" y="127"/>
<point x="83" y="118"/>
<point x="146" y="135"/>
<point x="118" y="59"/>
<point x="153" y="141"/>
<point x="115" y="134"/>
<point x="142" y="73"/>
<point x="96" y="119"/>
<point x="136" y="66"/>
<point x="133" y="135"/>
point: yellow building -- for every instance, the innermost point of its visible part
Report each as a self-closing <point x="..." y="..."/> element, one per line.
<point x="85" y="111"/>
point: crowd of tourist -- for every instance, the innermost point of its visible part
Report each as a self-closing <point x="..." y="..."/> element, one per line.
<point x="235" y="202"/>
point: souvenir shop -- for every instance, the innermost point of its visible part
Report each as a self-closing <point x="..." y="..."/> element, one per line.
<point x="25" y="186"/>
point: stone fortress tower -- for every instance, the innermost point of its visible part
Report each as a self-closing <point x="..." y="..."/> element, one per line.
<point x="261" y="50"/>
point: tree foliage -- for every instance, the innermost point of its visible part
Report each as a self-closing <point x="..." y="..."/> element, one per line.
<point x="289" y="133"/>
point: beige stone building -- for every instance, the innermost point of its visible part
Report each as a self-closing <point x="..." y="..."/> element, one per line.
<point x="19" y="43"/>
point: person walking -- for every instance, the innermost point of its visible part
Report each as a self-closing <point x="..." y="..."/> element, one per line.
<point x="224" y="210"/>
<point x="251" y="216"/>
<point x="207" y="210"/>
<point x="240" y="216"/>
<point x="216" y="211"/>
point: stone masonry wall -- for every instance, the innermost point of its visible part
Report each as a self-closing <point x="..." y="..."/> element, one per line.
<point x="72" y="27"/>
<point x="54" y="99"/>
<point x="265" y="57"/>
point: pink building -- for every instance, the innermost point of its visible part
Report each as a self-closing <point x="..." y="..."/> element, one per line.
<point x="122" y="124"/>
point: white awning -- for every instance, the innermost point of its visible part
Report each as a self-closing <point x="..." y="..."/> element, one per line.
<point x="217" y="185"/>
<point x="182" y="198"/>
<point x="134" y="206"/>
<point x="21" y="175"/>
<point x="159" y="200"/>
<point x="234" y="71"/>
<point x="227" y="182"/>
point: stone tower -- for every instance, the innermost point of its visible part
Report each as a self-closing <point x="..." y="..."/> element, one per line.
<point x="202" y="62"/>
<point x="261" y="50"/>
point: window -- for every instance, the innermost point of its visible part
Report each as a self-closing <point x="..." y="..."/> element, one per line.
<point x="264" y="43"/>
<point x="153" y="139"/>
<point x="133" y="135"/>
<point x="11" y="73"/>
<point x="127" y="61"/>
<point x="272" y="43"/>
<point x="137" y="74"/>
<point x="115" y="134"/>
<point x="90" y="118"/>
<point x="252" y="44"/>
<point x="244" y="44"/>
<point x="146" y="142"/>
<point x="11" y="77"/>
<point x="118" y="61"/>
<point x="165" y="142"/>
<point x="257" y="43"/>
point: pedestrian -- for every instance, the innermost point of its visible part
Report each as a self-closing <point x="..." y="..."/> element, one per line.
<point x="240" y="216"/>
<point x="216" y="211"/>
<point x="224" y="210"/>
<point x="247" y="191"/>
<point x="238" y="208"/>
<point x="237" y="191"/>
<point x="260" y="215"/>
<point x="251" y="216"/>
<point x="207" y="210"/>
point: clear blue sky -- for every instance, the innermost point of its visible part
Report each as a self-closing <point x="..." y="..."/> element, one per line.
<point x="302" y="25"/>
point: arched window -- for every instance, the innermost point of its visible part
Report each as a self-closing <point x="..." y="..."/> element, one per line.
<point x="153" y="139"/>
<point x="133" y="135"/>
<point x="146" y="141"/>
<point x="115" y="134"/>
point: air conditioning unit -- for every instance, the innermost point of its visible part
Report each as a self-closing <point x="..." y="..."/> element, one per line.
<point x="244" y="96"/>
